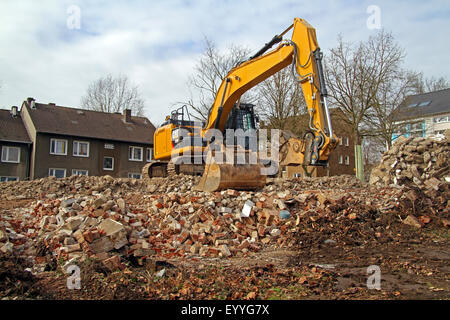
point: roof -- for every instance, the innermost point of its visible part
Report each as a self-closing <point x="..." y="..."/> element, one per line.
<point x="12" y="128"/>
<point x="49" y="118"/>
<point x="425" y="104"/>
<point x="300" y="124"/>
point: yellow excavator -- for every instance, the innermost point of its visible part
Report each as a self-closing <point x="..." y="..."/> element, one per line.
<point x="180" y="144"/>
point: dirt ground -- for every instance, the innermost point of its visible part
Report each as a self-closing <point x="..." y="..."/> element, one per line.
<point x="325" y="259"/>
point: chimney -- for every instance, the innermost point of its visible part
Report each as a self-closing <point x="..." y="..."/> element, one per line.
<point x="14" y="111"/>
<point x="31" y="103"/>
<point x="127" y="115"/>
<point x="51" y="104"/>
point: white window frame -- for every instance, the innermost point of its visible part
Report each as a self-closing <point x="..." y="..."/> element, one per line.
<point x="108" y="169"/>
<point x="441" y="119"/>
<point x="341" y="141"/>
<point x="58" y="140"/>
<point x="347" y="160"/>
<point x="78" y="148"/>
<point x="346" y="141"/>
<point x="74" y="172"/>
<point x="8" y="178"/>
<point x="54" y="169"/>
<point x="130" y="157"/>
<point x="7" y="148"/>
<point x="341" y="159"/>
<point x="151" y="154"/>
<point x="130" y="175"/>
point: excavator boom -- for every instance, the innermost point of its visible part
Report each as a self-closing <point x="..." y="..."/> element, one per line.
<point x="303" y="54"/>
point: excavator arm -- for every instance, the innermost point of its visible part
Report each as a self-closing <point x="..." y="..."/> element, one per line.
<point x="303" y="54"/>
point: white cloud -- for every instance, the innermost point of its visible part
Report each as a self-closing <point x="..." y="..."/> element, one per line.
<point x="156" y="43"/>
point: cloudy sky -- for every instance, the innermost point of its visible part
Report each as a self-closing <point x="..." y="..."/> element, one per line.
<point x="43" y="53"/>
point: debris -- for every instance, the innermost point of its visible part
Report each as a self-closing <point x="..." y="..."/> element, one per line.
<point x="247" y="209"/>
<point x="412" y="221"/>
<point x="284" y="214"/>
<point x="407" y="163"/>
<point x="161" y="273"/>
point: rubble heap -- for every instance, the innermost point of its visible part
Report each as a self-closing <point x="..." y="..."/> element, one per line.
<point x="113" y="220"/>
<point x="416" y="162"/>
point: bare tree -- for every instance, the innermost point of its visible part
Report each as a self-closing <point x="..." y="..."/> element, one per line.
<point x="423" y="84"/>
<point x="355" y="74"/>
<point x="211" y="69"/>
<point x="280" y="98"/>
<point x="113" y="94"/>
<point x="391" y="92"/>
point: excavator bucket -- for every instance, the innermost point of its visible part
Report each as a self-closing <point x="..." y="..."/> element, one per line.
<point x="230" y="176"/>
<point x="226" y="176"/>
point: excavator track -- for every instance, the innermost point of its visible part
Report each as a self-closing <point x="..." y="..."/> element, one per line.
<point x="155" y="169"/>
<point x="162" y="169"/>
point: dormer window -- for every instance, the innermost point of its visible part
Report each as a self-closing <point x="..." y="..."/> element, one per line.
<point x="423" y="104"/>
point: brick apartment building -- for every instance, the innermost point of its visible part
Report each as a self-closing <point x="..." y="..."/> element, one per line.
<point x="342" y="158"/>
<point x="15" y="146"/>
<point x="66" y="141"/>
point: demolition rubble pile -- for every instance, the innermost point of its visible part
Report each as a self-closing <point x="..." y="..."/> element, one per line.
<point x="417" y="162"/>
<point x="118" y="220"/>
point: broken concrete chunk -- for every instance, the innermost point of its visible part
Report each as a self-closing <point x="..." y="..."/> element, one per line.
<point x="99" y="202"/>
<point x="73" y="223"/>
<point x="3" y="236"/>
<point x="247" y="209"/>
<point x="103" y="244"/>
<point x="68" y="203"/>
<point x="275" y="232"/>
<point x="225" y="250"/>
<point x="412" y="221"/>
<point x="121" y="205"/>
<point x="115" y="231"/>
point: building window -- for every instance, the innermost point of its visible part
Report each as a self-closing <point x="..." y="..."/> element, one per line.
<point x="11" y="154"/>
<point x="347" y="160"/>
<point x="340" y="159"/>
<point x="442" y="119"/>
<point x="108" y="163"/>
<point x="135" y="153"/>
<point x="81" y="149"/>
<point x="4" y="179"/>
<point x="58" y="147"/>
<point x="346" y="141"/>
<point x="58" y="173"/>
<point x="149" y="154"/>
<point x="134" y="175"/>
<point x="417" y="129"/>
<point x="79" y="172"/>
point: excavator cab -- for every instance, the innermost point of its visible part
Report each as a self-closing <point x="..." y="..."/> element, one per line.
<point x="242" y="117"/>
